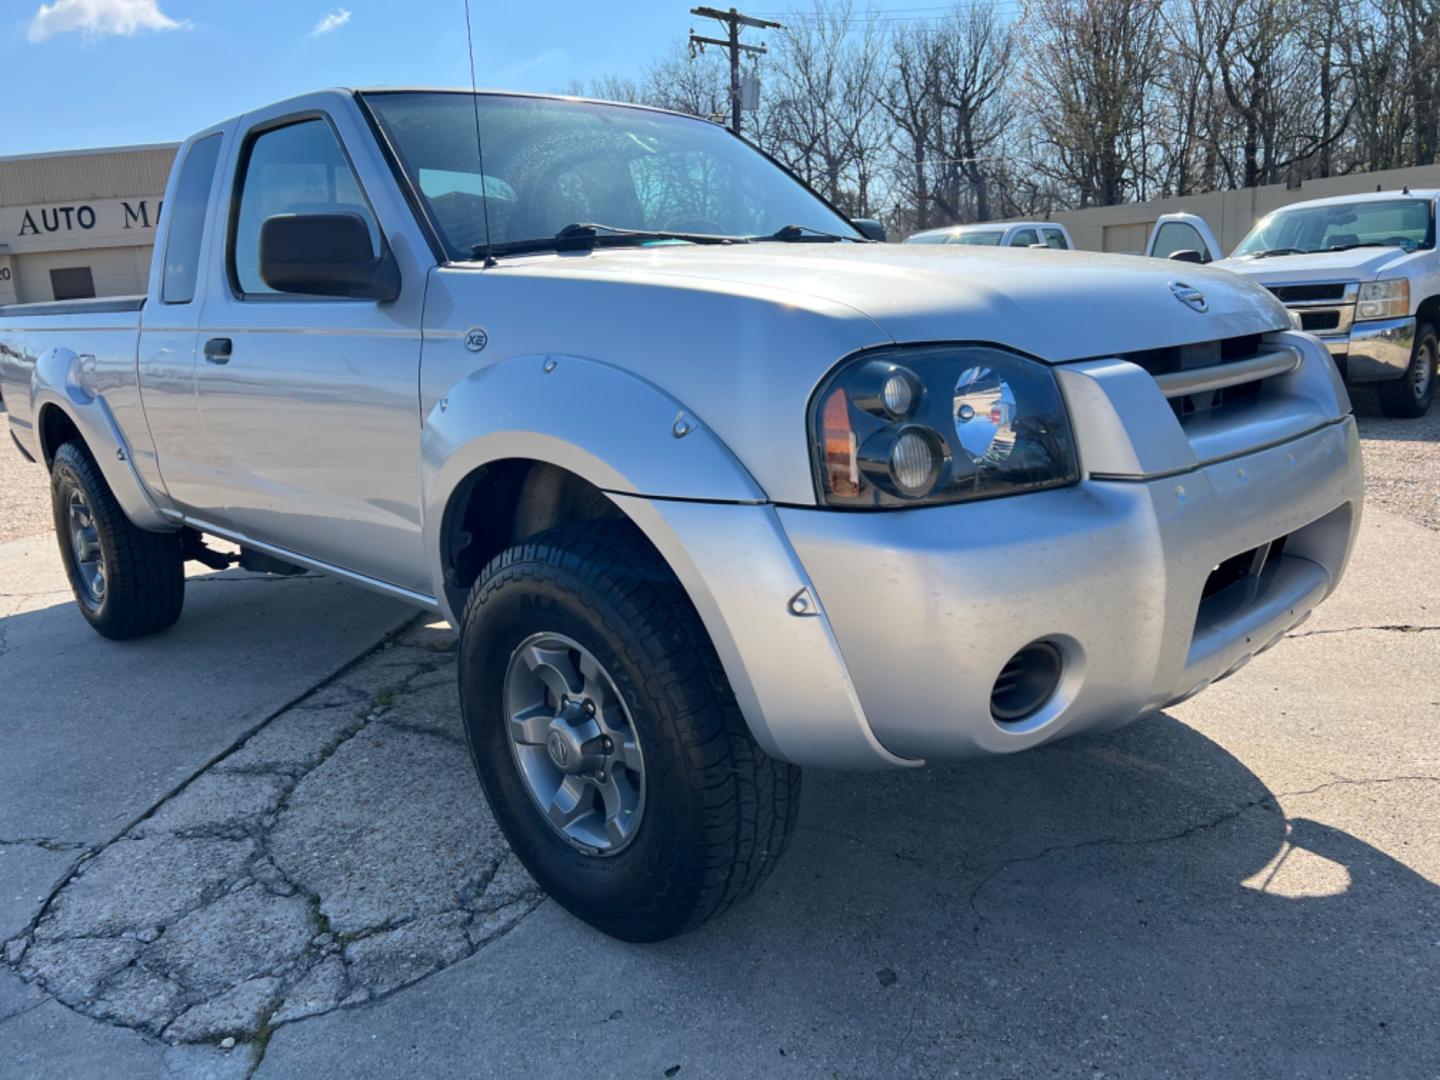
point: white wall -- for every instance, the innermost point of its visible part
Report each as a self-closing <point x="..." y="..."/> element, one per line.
<point x="1230" y="214"/>
<point x="118" y="271"/>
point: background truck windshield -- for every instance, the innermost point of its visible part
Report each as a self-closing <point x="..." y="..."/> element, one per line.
<point x="552" y="162"/>
<point x="1401" y="223"/>
<point x="982" y="239"/>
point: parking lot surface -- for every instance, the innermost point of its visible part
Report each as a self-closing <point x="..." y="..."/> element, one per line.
<point x="255" y="845"/>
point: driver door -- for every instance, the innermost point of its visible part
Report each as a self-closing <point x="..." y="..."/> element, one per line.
<point x="310" y="403"/>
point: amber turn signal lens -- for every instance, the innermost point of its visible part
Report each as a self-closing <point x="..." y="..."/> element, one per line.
<point x="842" y="472"/>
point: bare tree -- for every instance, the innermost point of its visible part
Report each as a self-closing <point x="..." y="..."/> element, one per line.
<point x="1089" y="67"/>
<point x="963" y="117"/>
<point x="822" y="96"/>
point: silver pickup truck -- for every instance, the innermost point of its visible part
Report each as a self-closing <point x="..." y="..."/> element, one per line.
<point x="712" y="485"/>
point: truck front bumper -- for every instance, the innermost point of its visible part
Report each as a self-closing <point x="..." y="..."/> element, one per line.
<point x="1373" y="351"/>
<point x="867" y="639"/>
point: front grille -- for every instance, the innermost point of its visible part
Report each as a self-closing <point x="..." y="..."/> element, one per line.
<point x="1317" y="321"/>
<point x="1175" y="358"/>
<point x="1299" y="294"/>
<point x="1205" y="355"/>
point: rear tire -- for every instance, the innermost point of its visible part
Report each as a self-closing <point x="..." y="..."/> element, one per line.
<point x="1409" y="396"/>
<point x="711" y="812"/>
<point x="127" y="581"/>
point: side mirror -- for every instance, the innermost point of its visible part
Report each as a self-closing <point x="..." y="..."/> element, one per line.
<point x="869" y="228"/>
<point x="325" y="255"/>
<point x="1189" y="255"/>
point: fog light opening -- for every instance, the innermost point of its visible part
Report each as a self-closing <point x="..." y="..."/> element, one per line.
<point x="1028" y="680"/>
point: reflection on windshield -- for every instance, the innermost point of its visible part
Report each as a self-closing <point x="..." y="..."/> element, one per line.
<point x="1402" y="223"/>
<point x="550" y="163"/>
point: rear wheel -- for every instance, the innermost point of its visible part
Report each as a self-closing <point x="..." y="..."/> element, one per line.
<point x="1410" y="395"/>
<point x="127" y="582"/>
<point x="607" y="739"/>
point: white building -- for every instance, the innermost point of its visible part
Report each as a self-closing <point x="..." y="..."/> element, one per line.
<point x="80" y="223"/>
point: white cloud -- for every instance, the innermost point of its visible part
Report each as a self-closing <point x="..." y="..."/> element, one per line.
<point x="97" y="18"/>
<point x="332" y="21"/>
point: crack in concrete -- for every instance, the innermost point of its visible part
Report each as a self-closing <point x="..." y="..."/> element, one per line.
<point x="28" y="1008"/>
<point x="1394" y="628"/>
<point x="477" y="918"/>
<point x="44" y="842"/>
<point x="1270" y="802"/>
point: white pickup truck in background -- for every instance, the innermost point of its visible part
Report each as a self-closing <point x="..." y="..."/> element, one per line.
<point x="1359" y="271"/>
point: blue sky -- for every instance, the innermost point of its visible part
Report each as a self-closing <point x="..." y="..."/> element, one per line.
<point x="114" y="72"/>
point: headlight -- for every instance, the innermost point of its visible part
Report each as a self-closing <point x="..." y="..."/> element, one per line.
<point x="939" y="424"/>
<point x="1383" y="300"/>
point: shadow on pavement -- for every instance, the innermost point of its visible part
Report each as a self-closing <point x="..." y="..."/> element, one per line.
<point x="1133" y="904"/>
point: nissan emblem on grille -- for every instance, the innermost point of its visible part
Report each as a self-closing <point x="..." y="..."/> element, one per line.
<point x="1189" y="296"/>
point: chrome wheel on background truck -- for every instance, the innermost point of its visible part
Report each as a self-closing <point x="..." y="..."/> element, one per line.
<point x="1410" y="395"/>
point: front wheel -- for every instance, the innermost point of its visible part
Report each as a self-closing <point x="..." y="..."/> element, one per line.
<point x="607" y="740"/>
<point x="1410" y="395"/>
<point x="128" y="582"/>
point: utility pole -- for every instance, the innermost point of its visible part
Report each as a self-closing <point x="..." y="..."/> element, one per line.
<point x="733" y="21"/>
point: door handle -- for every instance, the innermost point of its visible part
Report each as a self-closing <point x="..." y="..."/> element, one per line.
<point x="217" y="350"/>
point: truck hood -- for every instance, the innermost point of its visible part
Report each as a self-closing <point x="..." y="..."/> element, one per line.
<point x="1357" y="264"/>
<point x="1053" y="305"/>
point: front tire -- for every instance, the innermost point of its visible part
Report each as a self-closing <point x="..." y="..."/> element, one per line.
<point x="128" y="582"/>
<point x="1409" y="396"/>
<point x="607" y="739"/>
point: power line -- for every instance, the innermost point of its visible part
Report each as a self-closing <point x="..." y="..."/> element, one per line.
<point x="891" y="17"/>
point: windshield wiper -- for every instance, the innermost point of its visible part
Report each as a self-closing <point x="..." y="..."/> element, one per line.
<point x="802" y="234"/>
<point x="1351" y="247"/>
<point x="1278" y="251"/>
<point x="586" y="236"/>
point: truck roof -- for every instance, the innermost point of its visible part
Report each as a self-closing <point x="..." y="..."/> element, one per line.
<point x="1369" y="196"/>
<point x="350" y="91"/>
<point x="992" y="226"/>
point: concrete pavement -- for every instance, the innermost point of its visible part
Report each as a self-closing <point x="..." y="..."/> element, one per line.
<point x="247" y="839"/>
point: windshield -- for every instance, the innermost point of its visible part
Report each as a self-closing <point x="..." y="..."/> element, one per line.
<point x="984" y="239"/>
<point x="552" y="162"/>
<point x="1403" y="223"/>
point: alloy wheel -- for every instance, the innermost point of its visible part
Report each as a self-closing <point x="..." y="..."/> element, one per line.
<point x="574" y="743"/>
<point x="86" y="550"/>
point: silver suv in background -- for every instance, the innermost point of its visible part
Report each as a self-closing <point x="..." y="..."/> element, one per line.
<point x="1361" y="272"/>
<point x="1021" y="234"/>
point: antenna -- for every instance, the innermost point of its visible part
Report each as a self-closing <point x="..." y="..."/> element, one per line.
<point x="489" y="259"/>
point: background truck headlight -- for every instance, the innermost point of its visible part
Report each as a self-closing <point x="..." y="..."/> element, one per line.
<point x="939" y="424"/>
<point x="1383" y="300"/>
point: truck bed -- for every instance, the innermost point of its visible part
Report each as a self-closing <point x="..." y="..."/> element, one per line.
<point x="97" y="306"/>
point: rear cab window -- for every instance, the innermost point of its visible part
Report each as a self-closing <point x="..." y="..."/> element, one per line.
<point x="189" y="205"/>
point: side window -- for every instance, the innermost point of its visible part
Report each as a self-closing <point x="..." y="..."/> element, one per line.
<point x="1178" y="236"/>
<point x="1024" y="238"/>
<point x="1054" y="238"/>
<point x="296" y="169"/>
<point x="187" y="221"/>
